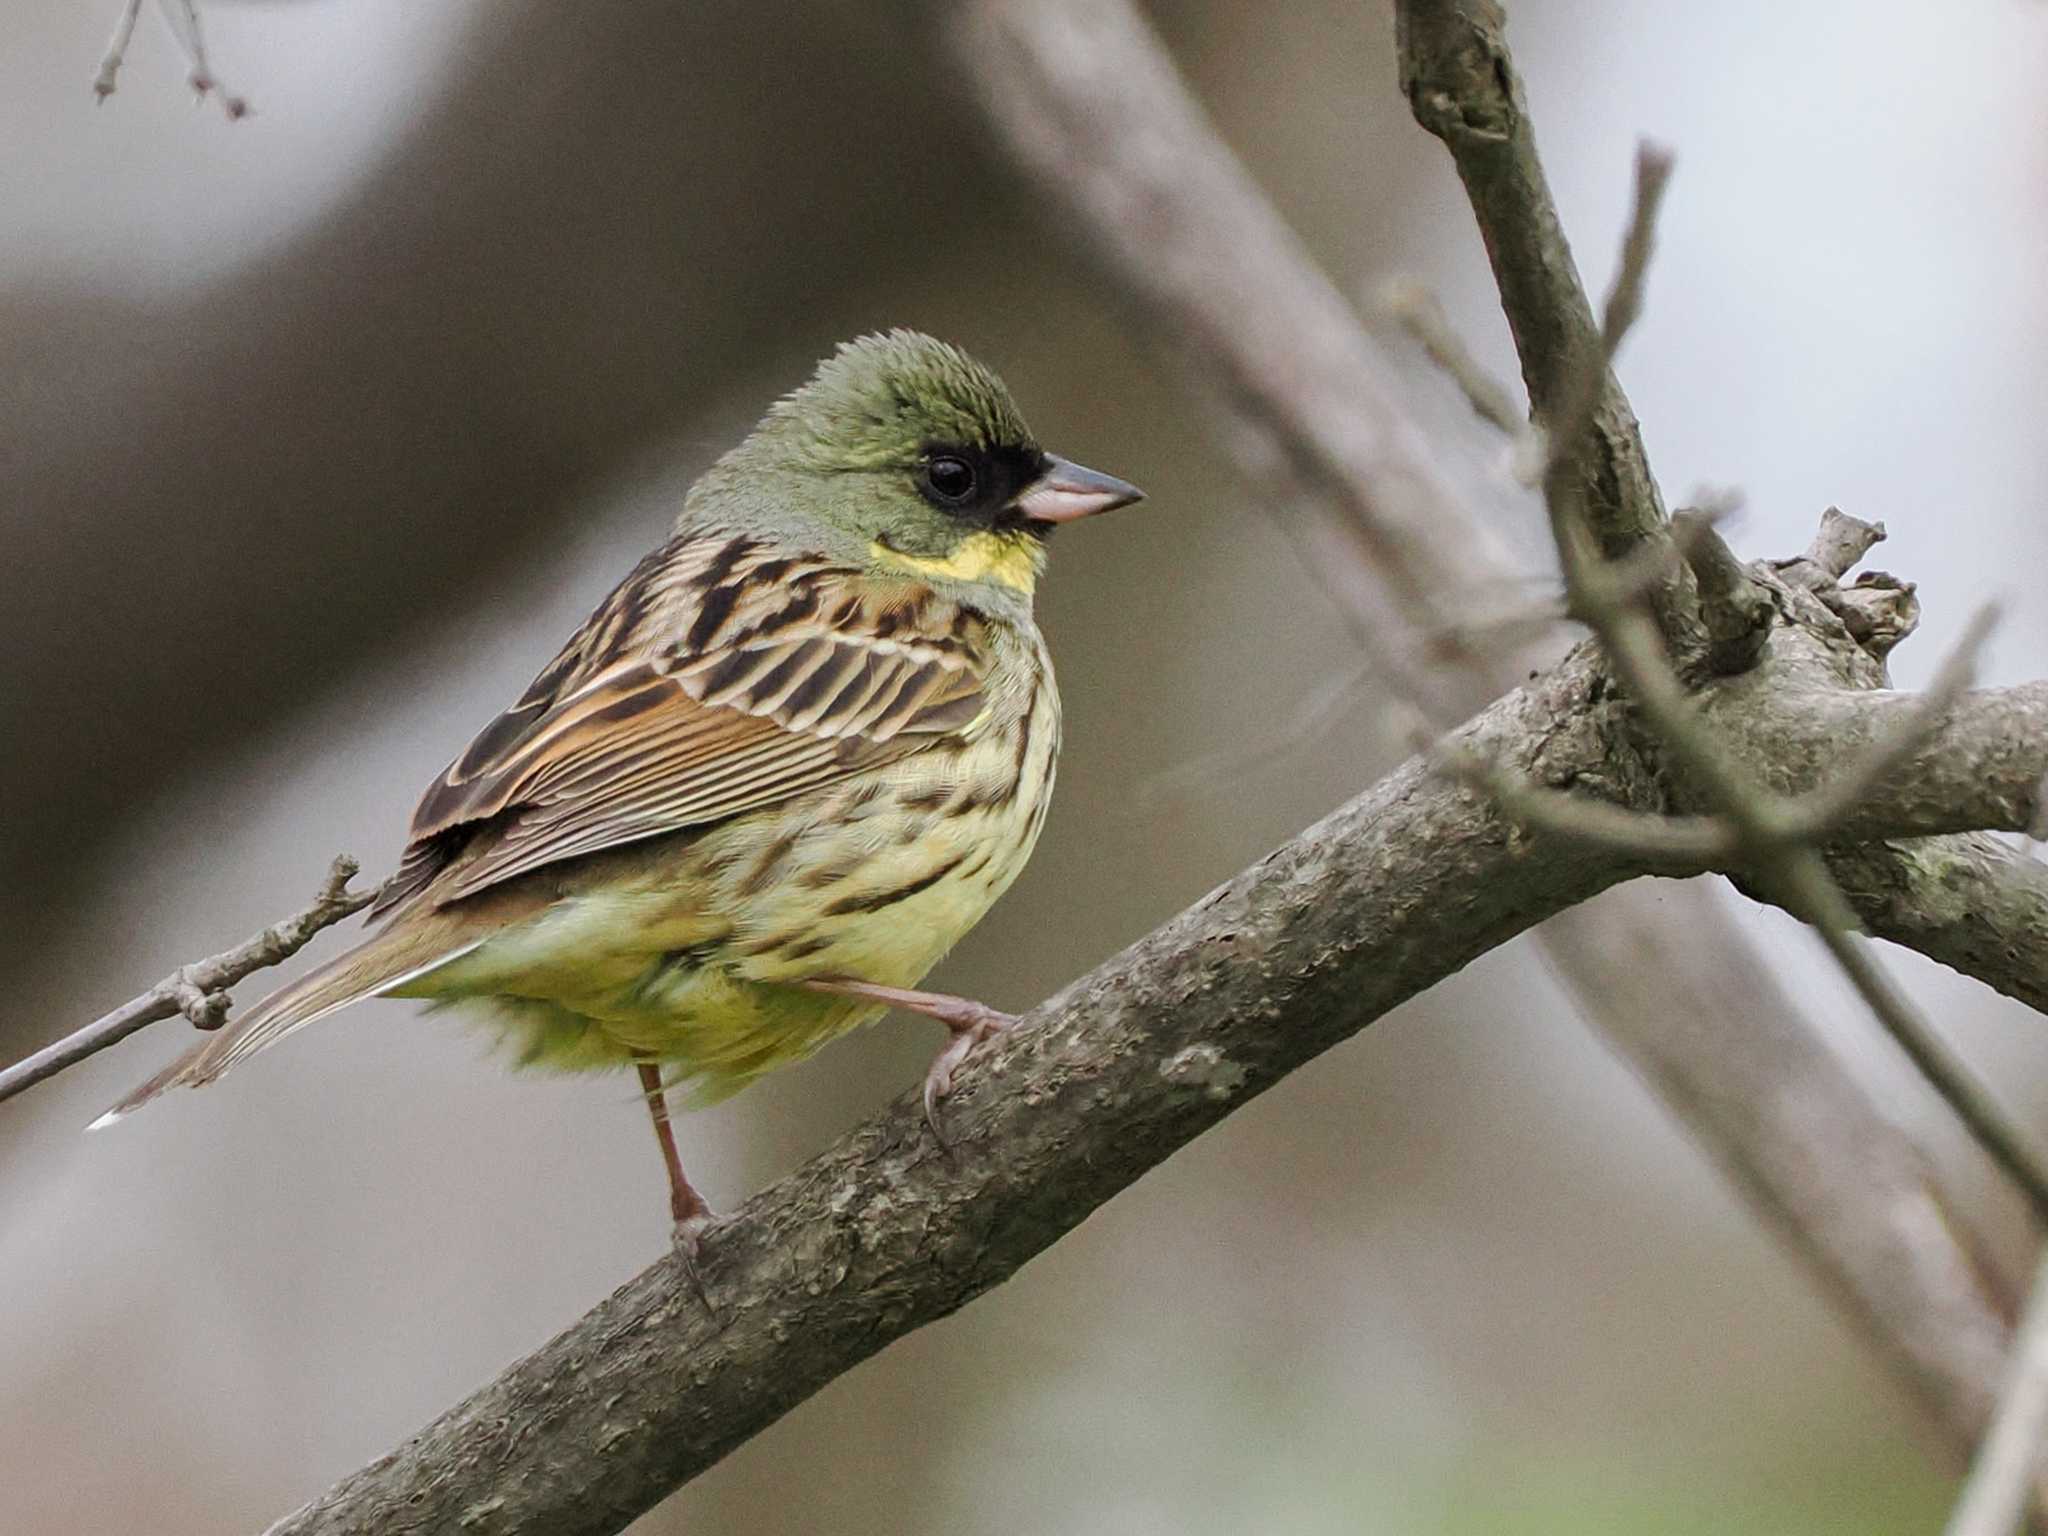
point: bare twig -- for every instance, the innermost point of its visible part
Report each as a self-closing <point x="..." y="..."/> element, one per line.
<point x="1419" y="313"/>
<point x="1780" y="842"/>
<point x="1778" y="839"/>
<point x="1820" y="814"/>
<point x="1892" y="1259"/>
<point x="1806" y="889"/>
<point x="117" y="49"/>
<point x="1308" y="720"/>
<point x="182" y="16"/>
<point x="199" y="990"/>
<point x="1673" y="844"/>
<point x="1638" y="576"/>
<point x="1911" y="891"/>
<point x="2015" y="1453"/>
<point x="1588" y="377"/>
<point x="1783" y="839"/>
<point x="181" y="20"/>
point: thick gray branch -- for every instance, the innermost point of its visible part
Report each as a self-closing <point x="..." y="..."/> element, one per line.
<point x="1973" y="902"/>
<point x="1980" y="770"/>
<point x="884" y="1233"/>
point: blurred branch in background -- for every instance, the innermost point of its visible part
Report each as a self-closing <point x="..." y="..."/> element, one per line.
<point x="1097" y="114"/>
<point x="2015" y="1452"/>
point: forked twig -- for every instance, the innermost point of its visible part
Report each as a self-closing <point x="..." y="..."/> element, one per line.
<point x="199" y="990"/>
<point x="181" y="20"/>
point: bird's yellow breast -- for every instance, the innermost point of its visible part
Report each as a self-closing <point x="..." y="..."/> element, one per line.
<point x="687" y="949"/>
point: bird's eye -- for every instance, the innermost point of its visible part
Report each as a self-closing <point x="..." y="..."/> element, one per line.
<point x="950" y="477"/>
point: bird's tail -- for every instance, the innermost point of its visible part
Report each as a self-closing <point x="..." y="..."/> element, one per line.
<point x="398" y="955"/>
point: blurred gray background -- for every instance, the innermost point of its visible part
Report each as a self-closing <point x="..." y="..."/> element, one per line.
<point x="320" y="430"/>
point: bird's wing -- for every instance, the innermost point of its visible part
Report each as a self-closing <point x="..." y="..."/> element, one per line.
<point x="720" y="677"/>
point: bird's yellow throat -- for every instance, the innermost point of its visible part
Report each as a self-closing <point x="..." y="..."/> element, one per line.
<point x="1013" y="559"/>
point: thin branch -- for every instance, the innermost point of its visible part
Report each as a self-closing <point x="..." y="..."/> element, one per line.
<point x="1941" y="761"/>
<point x="1970" y="901"/>
<point x="1641" y="574"/>
<point x="1304" y="724"/>
<point x="1916" y="772"/>
<point x="1794" y="1134"/>
<point x="1674" y="844"/>
<point x="1590" y="377"/>
<point x="1737" y="623"/>
<point x="1842" y="542"/>
<point x="1418" y="312"/>
<point x="181" y="20"/>
<point x="199" y="990"/>
<point x="2015" y="1453"/>
<point x="1806" y="889"/>
<point x="117" y="49"/>
<point x="1821" y="814"/>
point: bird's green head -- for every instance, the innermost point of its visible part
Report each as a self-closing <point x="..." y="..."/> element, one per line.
<point x="905" y="454"/>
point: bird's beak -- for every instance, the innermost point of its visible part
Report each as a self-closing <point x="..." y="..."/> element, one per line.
<point x="1068" y="490"/>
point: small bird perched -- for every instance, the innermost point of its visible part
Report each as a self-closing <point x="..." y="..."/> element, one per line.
<point x="775" y="776"/>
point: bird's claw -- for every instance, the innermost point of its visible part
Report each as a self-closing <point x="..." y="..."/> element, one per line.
<point x="972" y="1023"/>
<point x="686" y="1239"/>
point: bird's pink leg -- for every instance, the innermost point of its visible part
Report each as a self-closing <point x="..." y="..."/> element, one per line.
<point x="968" y="1022"/>
<point x="691" y="1214"/>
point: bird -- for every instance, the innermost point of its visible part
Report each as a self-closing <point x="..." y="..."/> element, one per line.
<point x="781" y="769"/>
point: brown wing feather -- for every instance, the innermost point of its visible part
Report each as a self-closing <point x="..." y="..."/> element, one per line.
<point x="719" y="678"/>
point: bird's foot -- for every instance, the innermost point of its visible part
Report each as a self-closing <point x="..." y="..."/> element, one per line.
<point x="686" y="1238"/>
<point x="969" y="1022"/>
<point x="975" y="1023"/>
